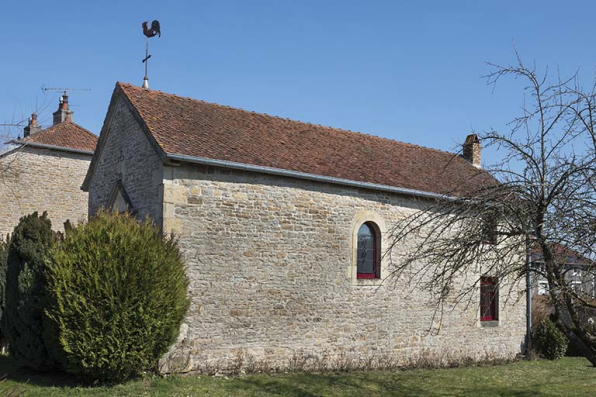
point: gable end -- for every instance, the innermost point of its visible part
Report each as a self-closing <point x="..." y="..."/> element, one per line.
<point x="117" y="96"/>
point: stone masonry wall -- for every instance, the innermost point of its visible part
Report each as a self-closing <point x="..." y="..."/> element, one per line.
<point x="34" y="179"/>
<point x="128" y="156"/>
<point x="272" y="269"/>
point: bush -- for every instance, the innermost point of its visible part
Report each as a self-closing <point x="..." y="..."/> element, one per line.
<point x="549" y="341"/>
<point x="30" y="243"/>
<point x="542" y="308"/>
<point x="117" y="293"/>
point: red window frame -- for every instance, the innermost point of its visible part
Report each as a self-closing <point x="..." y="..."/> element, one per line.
<point x="489" y="298"/>
<point x="376" y="264"/>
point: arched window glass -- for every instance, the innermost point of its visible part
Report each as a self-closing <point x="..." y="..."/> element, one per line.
<point x="368" y="258"/>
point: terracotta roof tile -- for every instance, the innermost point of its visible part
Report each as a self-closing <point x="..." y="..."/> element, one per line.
<point x="66" y="135"/>
<point x="192" y="127"/>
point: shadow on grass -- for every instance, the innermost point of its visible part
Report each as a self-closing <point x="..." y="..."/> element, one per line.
<point x="10" y="371"/>
<point x="316" y="385"/>
<point x="320" y="384"/>
<point x="399" y="384"/>
<point x="25" y="376"/>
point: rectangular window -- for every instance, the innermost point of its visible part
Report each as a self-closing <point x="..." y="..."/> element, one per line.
<point x="577" y="286"/>
<point x="542" y="287"/>
<point x="489" y="299"/>
<point x="489" y="229"/>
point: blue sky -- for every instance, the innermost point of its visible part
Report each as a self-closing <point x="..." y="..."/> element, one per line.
<point x="409" y="71"/>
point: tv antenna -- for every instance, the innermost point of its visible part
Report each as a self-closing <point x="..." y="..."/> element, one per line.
<point x="64" y="90"/>
<point x="45" y="89"/>
<point x="149" y="32"/>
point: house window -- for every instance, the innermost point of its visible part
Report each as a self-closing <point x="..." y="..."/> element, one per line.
<point x="489" y="299"/>
<point x="542" y="287"/>
<point x="368" y="251"/>
<point x="577" y="286"/>
<point x="489" y="229"/>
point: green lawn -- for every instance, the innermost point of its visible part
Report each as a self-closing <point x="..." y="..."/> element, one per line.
<point x="566" y="377"/>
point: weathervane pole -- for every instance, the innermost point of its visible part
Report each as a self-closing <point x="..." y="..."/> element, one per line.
<point x="146" y="62"/>
<point x="149" y="32"/>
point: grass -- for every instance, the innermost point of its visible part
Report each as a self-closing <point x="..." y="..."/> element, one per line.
<point x="565" y="377"/>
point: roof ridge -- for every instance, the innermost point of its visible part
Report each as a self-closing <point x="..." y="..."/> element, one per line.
<point x="53" y="126"/>
<point x="341" y="130"/>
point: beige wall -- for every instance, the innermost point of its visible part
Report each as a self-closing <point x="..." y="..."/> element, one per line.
<point x="128" y="156"/>
<point x="34" y="179"/>
<point x="272" y="277"/>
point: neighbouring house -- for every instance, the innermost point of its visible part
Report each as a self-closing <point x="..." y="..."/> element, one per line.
<point x="44" y="171"/>
<point x="283" y="225"/>
<point x="579" y="272"/>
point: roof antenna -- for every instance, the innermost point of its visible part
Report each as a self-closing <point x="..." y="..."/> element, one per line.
<point x="44" y="89"/>
<point x="64" y="96"/>
<point x="149" y="32"/>
<point x="64" y="90"/>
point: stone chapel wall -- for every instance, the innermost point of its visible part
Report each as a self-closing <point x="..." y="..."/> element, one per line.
<point x="127" y="156"/>
<point x="272" y="278"/>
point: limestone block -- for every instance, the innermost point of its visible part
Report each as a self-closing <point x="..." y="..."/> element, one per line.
<point x="175" y="194"/>
<point x="173" y="225"/>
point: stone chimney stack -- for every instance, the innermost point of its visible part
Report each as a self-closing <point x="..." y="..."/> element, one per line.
<point x="63" y="114"/>
<point x="32" y="128"/>
<point x="472" y="150"/>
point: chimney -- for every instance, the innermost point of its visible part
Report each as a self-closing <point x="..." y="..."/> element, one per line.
<point x="32" y="128"/>
<point x="63" y="114"/>
<point x="471" y="150"/>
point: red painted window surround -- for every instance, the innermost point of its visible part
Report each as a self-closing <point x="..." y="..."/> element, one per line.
<point x="375" y="271"/>
<point x="488" y="299"/>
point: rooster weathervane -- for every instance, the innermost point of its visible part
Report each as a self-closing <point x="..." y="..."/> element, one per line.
<point x="149" y="32"/>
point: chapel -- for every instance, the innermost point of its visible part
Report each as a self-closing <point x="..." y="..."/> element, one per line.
<point x="285" y="228"/>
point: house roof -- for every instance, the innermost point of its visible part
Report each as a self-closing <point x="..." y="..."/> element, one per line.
<point x="194" y="129"/>
<point x="563" y="255"/>
<point x="66" y="135"/>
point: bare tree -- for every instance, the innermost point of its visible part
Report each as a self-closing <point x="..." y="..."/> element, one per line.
<point x="540" y="197"/>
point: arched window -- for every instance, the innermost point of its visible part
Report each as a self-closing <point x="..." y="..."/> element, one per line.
<point x="368" y="251"/>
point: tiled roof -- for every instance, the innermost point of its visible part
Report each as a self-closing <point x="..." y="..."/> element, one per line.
<point x="190" y="127"/>
<point x="66" y="135"/>
<point x="562" y="255"/>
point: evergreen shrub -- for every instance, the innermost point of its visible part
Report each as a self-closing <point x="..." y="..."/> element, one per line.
<point x="549" y="341"/>
<point x="23" y="316"/>
<point x="117" y="297"/>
